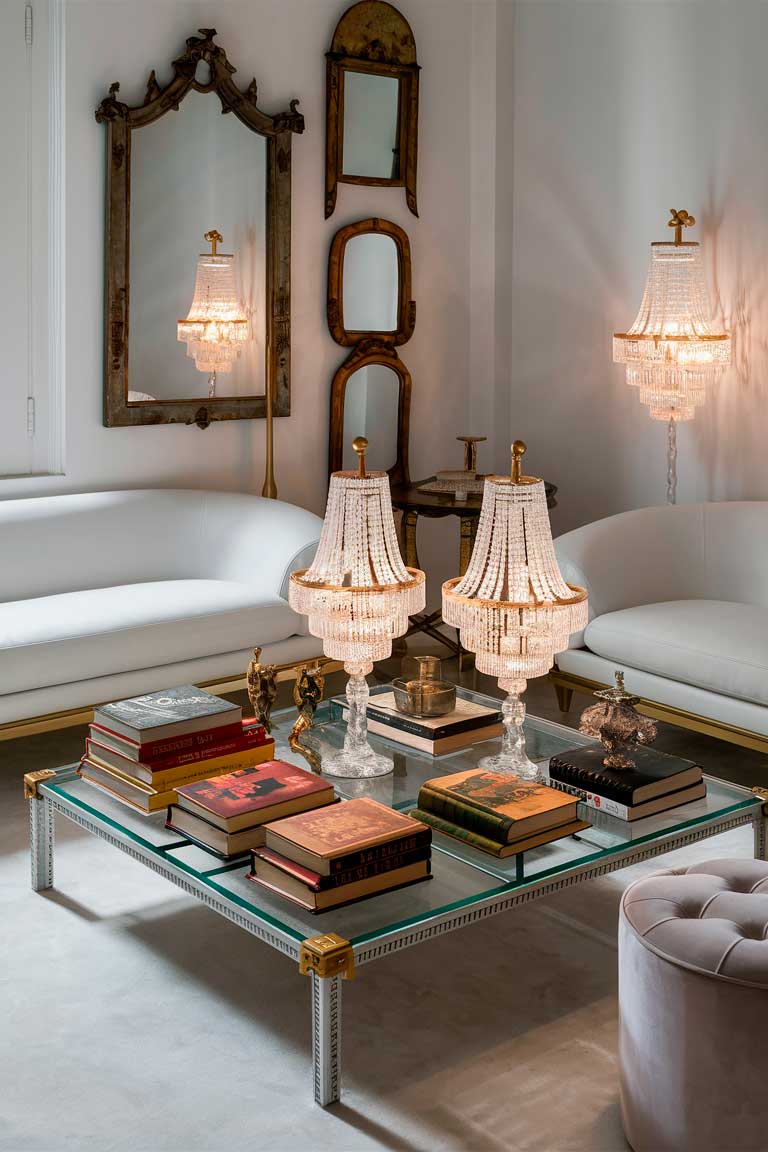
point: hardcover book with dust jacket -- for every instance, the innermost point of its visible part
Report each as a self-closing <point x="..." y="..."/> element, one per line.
<point x="168" y="713"/>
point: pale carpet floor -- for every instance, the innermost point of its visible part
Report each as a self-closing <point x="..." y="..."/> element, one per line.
<point x="133" y="1019"/>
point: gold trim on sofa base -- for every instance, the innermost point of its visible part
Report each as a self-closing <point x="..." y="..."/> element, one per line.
<point x="53" y="721"/>
<point x="565" y="684"/>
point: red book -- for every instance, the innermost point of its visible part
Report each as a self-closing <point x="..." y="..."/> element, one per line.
<point x="169" y="753"/>
<point x="252" y="796"/>
<point x="316" y="882"/>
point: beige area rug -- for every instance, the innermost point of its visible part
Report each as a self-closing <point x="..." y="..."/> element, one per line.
<point x="135" y="1020"/>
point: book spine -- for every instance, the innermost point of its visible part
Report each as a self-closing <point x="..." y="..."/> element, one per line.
<point x="317" y="883"/>
<point x="407" y="724"/>
<point x="381" y="852"/>
<point x="590" y="781"/>
<point x="492" y="826"/>
<point x="474" y="839"/>
<point x="592" y="800"/>
<point x="152" y="749"/>
<point x="251" y="739"/>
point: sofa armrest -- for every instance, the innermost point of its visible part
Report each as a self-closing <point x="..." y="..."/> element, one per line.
<point x="642" y="557"/>
<point x="257" y="541"/>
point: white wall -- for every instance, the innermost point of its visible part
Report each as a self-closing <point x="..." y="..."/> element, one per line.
<point x="609" y="113"/>
<point x="282" y="43"/>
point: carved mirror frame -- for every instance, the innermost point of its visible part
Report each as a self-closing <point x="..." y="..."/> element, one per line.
<point x="372" y="36"/>
<point x="406" y="307"/>
<point x="121" y="121"/>
<point x="371" y="352"/>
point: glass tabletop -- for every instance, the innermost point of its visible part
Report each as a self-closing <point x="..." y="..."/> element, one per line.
<point x="461" y="875"/>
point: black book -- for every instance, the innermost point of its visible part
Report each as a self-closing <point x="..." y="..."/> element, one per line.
<point x="173" y="712"/>
<point x="654" y="774"/>
<point x="468" y="716"/>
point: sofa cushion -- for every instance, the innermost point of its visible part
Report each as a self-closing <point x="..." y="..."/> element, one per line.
<point x="79" y="635"/>
<point x="714" y="644"/>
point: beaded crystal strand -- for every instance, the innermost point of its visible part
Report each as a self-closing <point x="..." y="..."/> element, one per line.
<point x="512" y="607"/>
<point x="358" y="596"/>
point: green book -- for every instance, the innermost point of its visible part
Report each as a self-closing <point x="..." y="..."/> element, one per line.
<point x="467" y="816"/>
<point x="493" y="847"/>
<point x="496" y="805"/>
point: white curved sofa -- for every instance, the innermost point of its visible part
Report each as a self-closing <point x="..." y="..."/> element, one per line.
<point x="108" y="594"/>
<point x="678" y="599"/>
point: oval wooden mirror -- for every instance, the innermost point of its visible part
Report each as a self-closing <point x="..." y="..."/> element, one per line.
<point x="369" y="284"/>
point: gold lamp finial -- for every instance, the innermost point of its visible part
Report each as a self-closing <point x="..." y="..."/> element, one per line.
<point x="213" y="239"/>
<point x="360" y="444"/>
<point x="518" y="451"/>
<point x="680" y="219"/>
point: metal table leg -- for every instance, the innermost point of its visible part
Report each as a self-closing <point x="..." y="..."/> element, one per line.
<point x="41" y="842"/>
<point x="326" y="1038"/>
<point x="760" y="826"/>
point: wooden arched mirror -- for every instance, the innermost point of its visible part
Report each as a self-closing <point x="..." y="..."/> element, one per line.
<point x="371" y="397"/>
<point x="372" y="102"/>
<point x="369" y="284"/>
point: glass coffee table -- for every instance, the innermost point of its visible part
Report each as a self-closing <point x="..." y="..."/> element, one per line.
<point x="467" y="885"/>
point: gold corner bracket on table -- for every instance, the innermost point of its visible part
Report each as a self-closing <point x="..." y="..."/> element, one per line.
<point x="762" y="792"/>
<point x="32" y="779"/>
<point x="327" y="955"/>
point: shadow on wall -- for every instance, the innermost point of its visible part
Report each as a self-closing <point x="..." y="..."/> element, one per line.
<point x="731" y="444"/>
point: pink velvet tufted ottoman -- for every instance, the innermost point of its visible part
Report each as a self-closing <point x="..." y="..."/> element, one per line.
<point x="693" y="1009"/>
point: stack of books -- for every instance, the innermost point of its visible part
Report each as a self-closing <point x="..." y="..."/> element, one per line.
<point x="141" y="750"/>
<point x="656" y="783"/>
<point x="356" y="849"/>
<point x="495" y="812"/>
<point x="227" y="815"/>
<point x="467" y="724"/>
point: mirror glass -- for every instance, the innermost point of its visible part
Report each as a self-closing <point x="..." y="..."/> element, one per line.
<point x="371" y="402"/>
<point x="193" y="172"/>
<point x="370" y="279"/>
<point x="370" y="142"/>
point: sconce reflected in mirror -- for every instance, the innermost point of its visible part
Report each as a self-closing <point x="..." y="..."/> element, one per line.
<point x="369" y="284"/>
<point x="372" y="102"/>
<point x="216" y="326"/>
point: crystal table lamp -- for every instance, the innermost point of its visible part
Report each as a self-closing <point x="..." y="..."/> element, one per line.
<point x="512" y="607"/>
<point x="673" y="351"/>
<point x="358" y="596"/>
<point x="216" y="326"/>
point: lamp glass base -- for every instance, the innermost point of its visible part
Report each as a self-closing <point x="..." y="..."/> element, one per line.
<point x="357" y="764"/>
<point x="512" y="758"/>
<point x="515" y="765"/>
<point x="356" y="760"/>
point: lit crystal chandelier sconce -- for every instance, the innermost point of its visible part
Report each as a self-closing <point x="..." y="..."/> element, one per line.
<point x="216" y="326"/>
<point x="512" y="607"/>
<point x="358" y="595"/>
<point x="673" y="352"/>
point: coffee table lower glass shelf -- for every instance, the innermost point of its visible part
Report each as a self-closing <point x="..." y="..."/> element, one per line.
<point x="466" y="885"/>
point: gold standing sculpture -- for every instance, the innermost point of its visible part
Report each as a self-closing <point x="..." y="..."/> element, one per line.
<point x="262" y="689"/>
<point x="307" y="694"/>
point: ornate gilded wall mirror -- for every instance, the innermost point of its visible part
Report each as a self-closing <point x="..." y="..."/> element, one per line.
<point x="371" y="397"/>
<point x="198" y="248"/>
<point x="369" y="284"/>
<point x="372" y="102"/>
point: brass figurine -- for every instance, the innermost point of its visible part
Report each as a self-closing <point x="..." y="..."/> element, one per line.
<point x="617" y="725"/>
<point x="307" y="694"/>
<point x="262" y="689"/>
